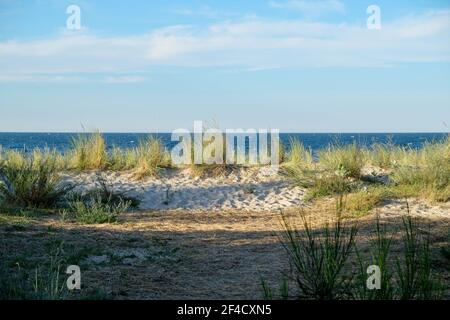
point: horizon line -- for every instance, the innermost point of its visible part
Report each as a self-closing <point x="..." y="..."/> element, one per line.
<point x="281" y="132"/>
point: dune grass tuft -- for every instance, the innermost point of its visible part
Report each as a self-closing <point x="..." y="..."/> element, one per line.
<point x="88" y="152"/>
<point x="94" y="210"/>
<point x="427" y="173"/>
<point x="151" y="156"/>
<point x="31" y="181"/>
<point x="345" y="160"/>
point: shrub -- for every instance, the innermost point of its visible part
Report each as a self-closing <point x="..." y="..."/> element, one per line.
<point x="94" y="210"/>
<point x="33" y="181"/>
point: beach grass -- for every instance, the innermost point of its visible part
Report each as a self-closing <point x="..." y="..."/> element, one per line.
<point x="32" y="181"/>
<point x="88" y="152"/>
<point x="151" y="156"/>
<point x="338" y="169"/>
<point x="346" y="160"/>
<point x="323" y="259"/>
<point x="94" y="210"/>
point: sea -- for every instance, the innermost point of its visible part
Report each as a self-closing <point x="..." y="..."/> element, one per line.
<point x="62" y="142"/>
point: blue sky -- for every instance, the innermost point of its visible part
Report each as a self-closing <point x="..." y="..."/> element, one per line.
<point x="295" y="65"/>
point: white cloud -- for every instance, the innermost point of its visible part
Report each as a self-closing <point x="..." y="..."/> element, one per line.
<point x="34" y="78"/>
<point x="248" y="44"/>
<point x="204" y="11"/>
<point x="310" y="7"/>
<point x="125" y="79"/>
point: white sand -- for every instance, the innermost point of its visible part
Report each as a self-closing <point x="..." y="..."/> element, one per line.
<point x="247" y="189"/>
<point x="250" y="189"/>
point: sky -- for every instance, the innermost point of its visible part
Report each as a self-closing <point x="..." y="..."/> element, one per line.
<point x="292" y="65"/>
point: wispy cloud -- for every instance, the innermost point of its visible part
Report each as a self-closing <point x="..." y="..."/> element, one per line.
<point x="248" y="44"/>
<point x="310" y="7"/>
<point x="125" y="79"/>
<point x="204" y="11"/>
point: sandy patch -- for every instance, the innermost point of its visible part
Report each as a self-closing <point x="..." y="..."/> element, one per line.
<point x="248" y="189"/>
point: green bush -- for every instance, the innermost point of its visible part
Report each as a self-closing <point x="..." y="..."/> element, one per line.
<point x="94" y="210"/>
<point x="32" y="181"/>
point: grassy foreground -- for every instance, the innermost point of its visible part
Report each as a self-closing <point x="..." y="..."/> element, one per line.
<point x="217" y="255"/>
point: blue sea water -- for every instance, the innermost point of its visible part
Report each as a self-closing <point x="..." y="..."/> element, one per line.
<point x="62" y="141"/>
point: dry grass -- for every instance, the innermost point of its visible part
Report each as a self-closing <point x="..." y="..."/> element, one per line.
<point x="88" y="152"/>
<point x="151" y="156"/>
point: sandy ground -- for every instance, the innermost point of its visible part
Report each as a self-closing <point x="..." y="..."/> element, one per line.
<point x="201" y="238"/>
<point x="171" y="254"/>
<point x="249" y="189"/>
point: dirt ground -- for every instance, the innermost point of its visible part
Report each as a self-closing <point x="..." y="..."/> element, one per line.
<point x="186" y="254"/>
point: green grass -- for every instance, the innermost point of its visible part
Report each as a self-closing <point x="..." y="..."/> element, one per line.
<point x="415" y="277"/>
<point x="106" y="193"/>
<point x="45" y="283"/>
<point x="344" y="160"/>
<point x="122" y="159"/>
<point x="299" y="155"/>
<point x="423" y="173"/>
<point x="360" y="203"/>
<point x="151" y="156"/>
<point x="380" y="255"/>
<point x="319" y="257"/>
<point x="88" y="152"/>
<point x="94" y="210"/>
<point x="322" y="269"/>
<point x="32" y="181"/>
<point x="427" y="174"/>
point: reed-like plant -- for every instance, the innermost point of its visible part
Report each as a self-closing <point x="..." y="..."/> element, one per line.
<point x="381" y="245"/>
<point x="319" y="257"/>
<point x="414" y="273"/>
